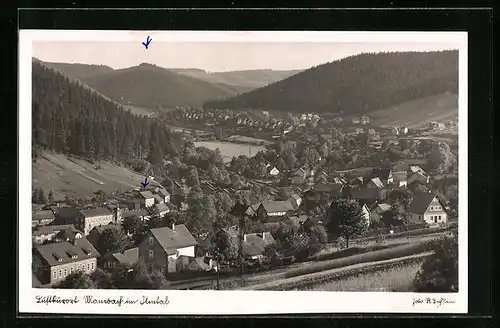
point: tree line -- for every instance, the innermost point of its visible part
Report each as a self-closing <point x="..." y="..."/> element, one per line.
<point x="356" y="84"/>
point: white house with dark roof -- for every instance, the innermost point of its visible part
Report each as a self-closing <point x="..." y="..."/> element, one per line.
<point x="43" y="217"/>
<point x="162" y="246"/>
<point x="44" y="233"/>
<point x="112" y="259"/>
<point x="428" y="208"/>
<point x="93" y="218"/>
<point x="60" y="259"/>
<point x="374" y="183"/>
<point x="145" y="198"/>
<point x="163" y="193"/>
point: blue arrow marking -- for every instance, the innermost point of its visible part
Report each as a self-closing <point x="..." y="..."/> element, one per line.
<point x="145" y="183"/>
<point x="148" y="41"/>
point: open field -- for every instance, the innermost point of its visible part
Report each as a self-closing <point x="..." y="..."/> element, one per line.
<point x="397" y="278"/>
<point x="229" y="149"/>
<point x="141" y="111"/>
<point x="76" y="177"/>
<point x="418" y="113"/>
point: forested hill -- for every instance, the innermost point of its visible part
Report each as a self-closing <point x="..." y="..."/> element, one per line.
<point x="72" y="119"/>
<point x="154" y="87"/>
<point x="79" y="71"/>
<point x="356" y="84"/>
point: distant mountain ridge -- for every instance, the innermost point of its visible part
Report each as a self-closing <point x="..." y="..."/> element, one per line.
<point x="154" y="87"/>
<point x="356" y="84"/>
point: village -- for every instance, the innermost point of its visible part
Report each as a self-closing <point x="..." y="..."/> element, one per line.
<point x="404" y="196"/>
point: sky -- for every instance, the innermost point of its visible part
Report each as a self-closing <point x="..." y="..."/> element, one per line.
<point x="213" y="56"/>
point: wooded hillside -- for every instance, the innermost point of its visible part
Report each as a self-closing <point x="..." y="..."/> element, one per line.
<point x="357" y="84"/>
<point x="72" y="119"/>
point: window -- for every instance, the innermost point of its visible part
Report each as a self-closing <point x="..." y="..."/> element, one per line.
<point x="439" y="217"/>
<point x="150" y="240"/>
<point x="432" y="208"/>
<point x="151" y="254"/>
<point x="92" y="265"/>
<point x="88" y="266"/>
<point x="65" y="272"/>
<point x="59" y="273"/>
<point x="71" y="270"/>
<point x="438" y="208"/>
<point x="54" y="274"/>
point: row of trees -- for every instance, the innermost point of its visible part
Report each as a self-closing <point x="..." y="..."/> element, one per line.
<point x="38" y="196"/>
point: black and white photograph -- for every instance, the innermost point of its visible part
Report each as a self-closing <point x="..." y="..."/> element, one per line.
<point x="168" y="168"/>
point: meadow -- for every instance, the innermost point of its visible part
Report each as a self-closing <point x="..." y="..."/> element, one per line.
<point x="229" y="150"/>
<point x="398" y="278"/>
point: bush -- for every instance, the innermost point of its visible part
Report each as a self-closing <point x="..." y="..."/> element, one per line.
<point x="439" y="273"/>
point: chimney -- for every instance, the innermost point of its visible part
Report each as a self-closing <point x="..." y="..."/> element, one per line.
<point x="173" y="226"/>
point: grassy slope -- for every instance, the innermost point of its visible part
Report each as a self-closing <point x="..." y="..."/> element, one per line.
<point x="75" y="177"/>
<point x="418" y="113"/>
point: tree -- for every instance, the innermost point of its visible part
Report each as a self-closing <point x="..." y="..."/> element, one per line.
<point x="441" y="157"/>
<point x="131" y="224"/>
<point x="225" y="245"/>
<point x="403" y="196"/>
<point x="284" y="193"/>
<point x="113" y="240"/>
<point x="317" y="238"/>
<point x="41" y="197"/>
<point x="345" y="217"/>
<point x="51" y="197"/>
<point x="394" y="216"/>
<point x="192" y="176"/>
<point x="439" y="272"/>
<point x="78" y="280"/>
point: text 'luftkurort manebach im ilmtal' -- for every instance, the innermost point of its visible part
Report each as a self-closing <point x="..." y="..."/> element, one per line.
<point x="89" y="299"/>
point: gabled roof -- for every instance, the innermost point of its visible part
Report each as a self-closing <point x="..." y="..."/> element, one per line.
<point x="68" y="234"/>
<point x="128" y="257"/>
<point x="96" y="212"/>
<point x="384" y="207"/>
<point x="43" y="215"/>
<point x="145" y="194"/>
<point x="51" y="229"/>
<point x="365" y="193"/>
<point x="377" y="182"/>
<point x="159" y="199"/>
<point x="61" y="252"/>
<point x="420" y="202"/>
<point x="416" y="169"/>
<point x="163" y="192"/>
<point x="138" y="213"/>
<point x="400" y="176"/>
<point x="170" y="239"/>
<point x="328" y="187"/>
<point x="297" y="221"/>
<point x="277" y="206"/>
<point x="272" y="227"/>
<point x="250" y="249"/>
<point x="68" y="213"/>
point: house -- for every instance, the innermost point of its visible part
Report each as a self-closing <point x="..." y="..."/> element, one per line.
<point x="163" y="193"/>
<point x="418" y="177"/>
<point x="162" y="246"/>
<point x="296" y="221"/>
<point x="299" y="177"/>
<point x="179" y="192"/>
<point x="321" y="177"/>
<point x="427" y="207"/>
<point x="322" y="192"/>
<point x="417" y="169"/>
<point x="68" y="234"/>
<point x="60" y="259"/>
<point x="94" y="236"/>
<point x="163" y="209"/>
<point x="360" y="130"/>
<point x="296" y="200"/>
<point x="273" y="171"/>
<point x="380" y="208"/>
<point x="366" y="211"/>
<point x="112" y="259"/>
<point x="42" y="218"/>
<point x="274" y="209"/>
<point x="367" y="194"/>
<point x="365" y="119"/>
<point x="400" y="178"/>
<point x="374" y="183"/>
<point x="355" y="120"/>
<point x="145" y="199"/>
<point x="95" y="217"/>
<point x="142" y="214"/>
<point x="252" y="209"/>
<point x="384" y="174"/>
<point x="158" y="199"/>
<point x="46" y="233"/>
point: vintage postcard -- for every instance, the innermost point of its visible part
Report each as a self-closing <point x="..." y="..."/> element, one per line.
<point x="242" y="172"/>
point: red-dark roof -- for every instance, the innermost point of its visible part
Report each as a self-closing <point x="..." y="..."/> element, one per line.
<point x="421" y="202"/>
<point x="170" y="239"/>
<point x="96" y="212"/>
<point x="278" y="206"/>
<point x="61" y="252"/>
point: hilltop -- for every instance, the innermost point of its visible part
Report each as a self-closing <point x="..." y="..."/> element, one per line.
<point x="356" y="84"/>
<point x="154" y="87"/>
<point x="79" y="71"/>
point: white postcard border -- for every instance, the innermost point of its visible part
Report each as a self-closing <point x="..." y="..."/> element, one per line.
<point x="231" y="302"/>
